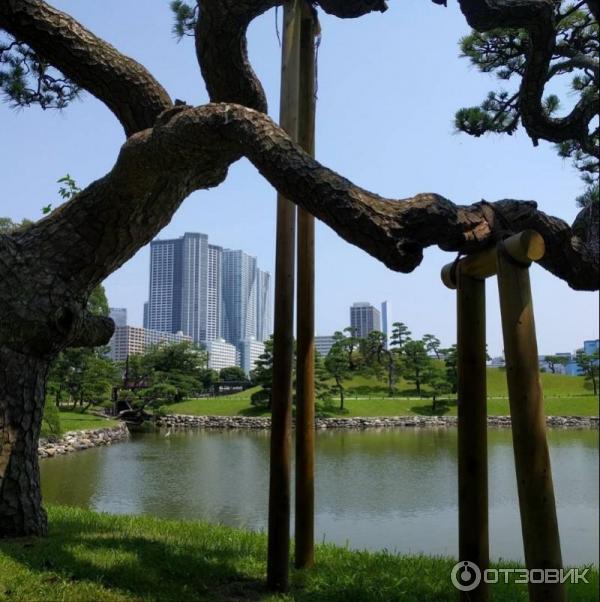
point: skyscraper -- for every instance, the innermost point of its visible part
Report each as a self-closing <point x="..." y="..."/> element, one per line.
<point x="207" y="292"/>
<point x="263" y="305"/>
<point x="364" y="318"/>
<point x="215" y="292"/>
<point x="239" y="296"/>
<point x="184" y="291"/>
<point x="385" y="325"/>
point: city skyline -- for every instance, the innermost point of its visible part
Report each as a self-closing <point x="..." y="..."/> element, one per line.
<point x="206" y="291"/>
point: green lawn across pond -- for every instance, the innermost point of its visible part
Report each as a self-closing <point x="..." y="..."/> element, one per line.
<point x="76" y="421"/>
<point x="564" y="396"/>
<point x="91" y="557"/>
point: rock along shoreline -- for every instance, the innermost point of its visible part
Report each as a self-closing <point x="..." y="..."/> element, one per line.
<point x="247" y="422"/>
<point x="79" y="440"/>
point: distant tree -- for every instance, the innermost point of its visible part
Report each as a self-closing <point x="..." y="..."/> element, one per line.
<point x="232" y="373"/>
<point x="435" y="376"/>
<point x="181" y="365"/>
<point x="7" y="226"/>
<point x="377" y="356"/>
<point x="450" y="356"/>
<point x="399" y="337"/>
<point x="51" y="427"/>
<point x="209" y="377"/>
<point x="415" y="361"/>
<point x="555" y="360"/>
<point x="588" y="364"/>
<point x="432" y="344"/>
<point x="322" y="386"/>
<point x="83" y="377"/>
<point x="72" y="373"/>
<point x="351" y="344"/>
<point x="262" y="374"/>
<point x="337" y="364"/>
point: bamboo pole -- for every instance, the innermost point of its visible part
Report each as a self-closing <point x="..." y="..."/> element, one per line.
<point x="283" y="338"/>
<point x="539" y="524"/>
<point x="305" y="371"/>
<point x="473" y="539"/>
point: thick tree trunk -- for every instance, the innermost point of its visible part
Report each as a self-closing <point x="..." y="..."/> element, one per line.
<point x="22" y="381"/>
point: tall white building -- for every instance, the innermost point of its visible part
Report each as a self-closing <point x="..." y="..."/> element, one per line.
<point x="215" y="292"/>
<point x="185" y="287"/>
<point x="221" y="354"/>
<point x="385" y="324"/>
<point x="239" y="296"/>
<point x="207" y="292"/>
<point x="263" y="305"/>
<point x="250" y="351"/>
<point x="364" y="318"/>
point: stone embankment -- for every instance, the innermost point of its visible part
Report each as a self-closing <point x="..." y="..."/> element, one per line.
<point x="78" y="440"/>
<point x="247" y="422"/>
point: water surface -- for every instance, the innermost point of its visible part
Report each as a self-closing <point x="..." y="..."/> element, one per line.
<point x="391" y="489"/>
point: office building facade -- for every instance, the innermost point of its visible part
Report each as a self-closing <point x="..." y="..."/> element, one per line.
<point x="131" y="340"/>
<point x="250" y="351"/>
<point x="222" y="354"/>
<point x="364" y="318"/>
<point x="323" y="345"/>
<point x="239" y="318"/>
<point x="207" y="292"/>
<point x="385" y="324"/>
<point x="263" y="305"/>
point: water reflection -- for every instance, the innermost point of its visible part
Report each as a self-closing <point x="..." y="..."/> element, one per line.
<point x="393" y="489"/>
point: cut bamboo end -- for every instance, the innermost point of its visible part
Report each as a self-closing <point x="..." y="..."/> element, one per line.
<point x="449" y="275"/>
<point x="524" y="247"/>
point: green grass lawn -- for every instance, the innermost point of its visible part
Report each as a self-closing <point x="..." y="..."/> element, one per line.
<point x="76" y="421"/>
<point x="564" y="396"/>
<point x="90" y="557"/>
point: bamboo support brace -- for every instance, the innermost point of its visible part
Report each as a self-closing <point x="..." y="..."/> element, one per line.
<point x="524" y="247"/>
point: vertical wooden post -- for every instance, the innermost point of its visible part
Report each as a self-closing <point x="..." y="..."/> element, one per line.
<point x="473" y="540"/>
<point x="305" y="340"/>
<point x="283" y="338"/>
<point x="534" y="477"/>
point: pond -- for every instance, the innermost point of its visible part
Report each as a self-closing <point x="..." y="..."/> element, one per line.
<point x="389" y="489"/>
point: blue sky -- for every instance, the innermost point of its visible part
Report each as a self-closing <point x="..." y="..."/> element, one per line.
<point x="388" y="88"/>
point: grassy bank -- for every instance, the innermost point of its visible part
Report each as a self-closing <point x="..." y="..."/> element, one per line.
<point x="76" y="421"/>
<point x="63" y="421"/>
<point x="564" y="396"/>
<point x="96" y="557"/>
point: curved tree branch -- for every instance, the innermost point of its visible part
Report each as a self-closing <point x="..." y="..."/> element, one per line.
<point x="125" y="86"/>
<point x="350" y="9"/>
<point x="222" y="50"/>
<point x="537" y="17"/>
<point x="106" y="223"/>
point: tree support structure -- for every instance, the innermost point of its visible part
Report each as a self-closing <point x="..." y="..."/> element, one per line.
<point x="305" y="341"/>
<point x="510" y="260"/>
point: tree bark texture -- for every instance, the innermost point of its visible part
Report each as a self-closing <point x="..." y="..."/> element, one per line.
<point x="22" y="379"/>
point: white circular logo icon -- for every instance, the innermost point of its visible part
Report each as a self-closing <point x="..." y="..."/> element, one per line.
<point x="465" y="576"/>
